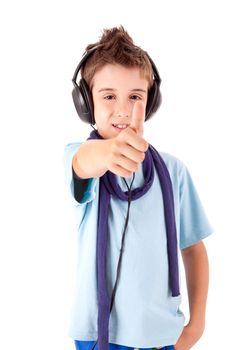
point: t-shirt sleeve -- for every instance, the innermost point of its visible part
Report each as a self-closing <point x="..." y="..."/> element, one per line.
<point x="194" y="224"/>
<point x="87" y="190"/>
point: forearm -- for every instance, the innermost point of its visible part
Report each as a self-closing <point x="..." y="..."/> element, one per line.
<point x="88" y="160"/>
<point x="197" y="278"/>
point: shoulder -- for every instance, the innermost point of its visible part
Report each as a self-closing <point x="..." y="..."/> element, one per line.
<point x="71" y="148"/>
<point x="172" y="162"/>
<point x="178" y="170"/>
<point x="72" y="145"/>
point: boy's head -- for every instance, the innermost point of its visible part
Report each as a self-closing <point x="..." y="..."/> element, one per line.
<point x="117" y="70"/>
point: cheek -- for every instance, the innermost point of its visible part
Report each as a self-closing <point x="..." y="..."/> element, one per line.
<point x="102" y="110"/>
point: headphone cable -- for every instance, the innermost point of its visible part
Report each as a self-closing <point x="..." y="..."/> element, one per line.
<point x="122" y="246"/>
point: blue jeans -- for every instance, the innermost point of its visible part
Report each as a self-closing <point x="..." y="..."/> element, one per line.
<point x="87" y="345"/>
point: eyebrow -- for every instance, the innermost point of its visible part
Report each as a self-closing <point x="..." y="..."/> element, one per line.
<point x="133" y="90"/>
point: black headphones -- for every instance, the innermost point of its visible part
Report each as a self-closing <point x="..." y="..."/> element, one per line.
<point x="83" y="100"/>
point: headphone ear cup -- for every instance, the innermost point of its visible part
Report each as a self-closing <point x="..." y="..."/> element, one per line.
<point x="153" y="101"/>
<point x="83" y="102"/>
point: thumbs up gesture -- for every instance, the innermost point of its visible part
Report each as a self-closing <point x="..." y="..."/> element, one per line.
<point x="126" y="151"/>
<point x="138" y="117"/>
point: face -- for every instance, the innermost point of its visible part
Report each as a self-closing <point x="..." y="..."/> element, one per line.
<point x="115" y="89"/>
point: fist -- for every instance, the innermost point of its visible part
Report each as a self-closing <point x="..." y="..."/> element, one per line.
<point x="127" y="150"/>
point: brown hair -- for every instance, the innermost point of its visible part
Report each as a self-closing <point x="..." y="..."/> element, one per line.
<point x="117" y="48"/>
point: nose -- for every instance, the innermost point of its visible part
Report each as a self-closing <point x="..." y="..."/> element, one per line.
<point x="123" y="109"/>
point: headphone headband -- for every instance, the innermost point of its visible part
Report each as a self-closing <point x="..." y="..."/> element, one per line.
<point x="85" y="56"/>
<point x="155" y="70"/>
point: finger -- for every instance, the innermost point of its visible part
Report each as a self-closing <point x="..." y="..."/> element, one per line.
<point x="138" y="117"/>
<point x="133" y="154"/>
<point x="120" y="171"/>
<point x="136" y="141"/>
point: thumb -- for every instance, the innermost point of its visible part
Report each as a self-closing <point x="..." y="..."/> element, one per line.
<point x="138" y="117"/>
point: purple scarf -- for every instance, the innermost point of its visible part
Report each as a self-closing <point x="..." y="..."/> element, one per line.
<point x="108" y="187"/>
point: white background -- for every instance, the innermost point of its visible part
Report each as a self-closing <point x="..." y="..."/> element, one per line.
<point x="41" y="44"/>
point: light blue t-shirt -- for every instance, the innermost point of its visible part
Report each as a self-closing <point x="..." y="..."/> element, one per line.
<point x="144" y="313"/>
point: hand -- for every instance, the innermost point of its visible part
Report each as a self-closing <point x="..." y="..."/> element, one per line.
<point x="126" y="151"/>
<point x="189" y="337"/>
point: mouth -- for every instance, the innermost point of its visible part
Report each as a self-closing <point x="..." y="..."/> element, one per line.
<point x="120" y="126"/>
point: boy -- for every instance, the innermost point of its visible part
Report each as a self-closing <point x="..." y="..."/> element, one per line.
<point x="134" y="207"/>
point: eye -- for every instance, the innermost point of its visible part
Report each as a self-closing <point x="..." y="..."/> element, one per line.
<point x="135" y="97"/>
<point x="109" y="97"/>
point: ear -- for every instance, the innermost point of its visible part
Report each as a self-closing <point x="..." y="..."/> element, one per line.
<point x="154" y="101"/>
<point x="83" y="102"/>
